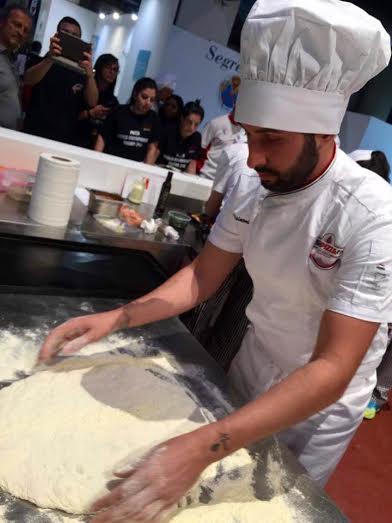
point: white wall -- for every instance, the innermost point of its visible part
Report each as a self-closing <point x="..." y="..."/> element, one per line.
<point x="115" y="37"/>
<point x="200" y="66"/>
<point x="42" y="20"/>
<point x="54" y="11"/>
<point x="151" y="33"/>
<point x="208" y="18"/>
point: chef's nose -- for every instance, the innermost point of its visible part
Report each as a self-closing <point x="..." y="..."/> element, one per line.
<point x="256" y="156"/>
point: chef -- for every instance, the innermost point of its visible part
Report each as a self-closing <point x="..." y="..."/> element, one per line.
<point x="316" y="239"/>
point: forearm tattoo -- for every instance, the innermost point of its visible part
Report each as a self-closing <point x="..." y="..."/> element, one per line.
<point x="222" y="443"/>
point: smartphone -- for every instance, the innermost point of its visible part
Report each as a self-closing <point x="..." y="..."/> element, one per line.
<point x="73" y="47"/>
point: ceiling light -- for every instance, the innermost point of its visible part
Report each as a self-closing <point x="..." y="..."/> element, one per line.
<point x="116" y="15"/>
<point x="134" y="17"/>
<point x="102" y="16"/>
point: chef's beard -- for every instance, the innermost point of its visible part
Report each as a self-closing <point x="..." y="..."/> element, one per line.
<point x="299" y="174"/>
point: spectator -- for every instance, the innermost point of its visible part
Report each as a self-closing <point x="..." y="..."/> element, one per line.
<point x="231" y="165"/>
<point x="171" y="110"/>
<point x="217" y="134"/>
<point x="58" y="93"/>
<point x="181" y="144"/>
<point x="220" y="323"/>
<point x="375" y="161"/>
<point x="15" y="27"/>
<point x="166" y="86"/>
<point x="33" y="56"/>
<point x="92" y="119"/>
<point x="133" y="131"/>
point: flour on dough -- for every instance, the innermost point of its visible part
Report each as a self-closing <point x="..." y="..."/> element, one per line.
<point x="18" y="352"/>
<point x="65" y="430"/>
<point x="274" y="511"/>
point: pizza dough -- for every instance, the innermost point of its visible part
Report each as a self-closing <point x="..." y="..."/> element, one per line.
<point x="274" y="511"/>
<point x="64" y="430"/>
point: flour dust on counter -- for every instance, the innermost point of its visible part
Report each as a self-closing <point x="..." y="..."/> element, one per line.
<point x="19" y="348"/>
<point x="18" y="351"/>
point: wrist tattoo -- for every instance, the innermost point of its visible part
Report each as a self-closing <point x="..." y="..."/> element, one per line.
<point x="221" y="443"/>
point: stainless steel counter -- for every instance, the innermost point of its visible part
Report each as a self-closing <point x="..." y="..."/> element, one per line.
<point x="195" y="369"/>
<point x="84" y="230"/>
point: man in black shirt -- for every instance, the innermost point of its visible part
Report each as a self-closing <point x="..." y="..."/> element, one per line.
<point x="57" y="93"/>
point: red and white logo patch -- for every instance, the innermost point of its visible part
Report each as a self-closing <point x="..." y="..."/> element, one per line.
<point x="325" y="253"/>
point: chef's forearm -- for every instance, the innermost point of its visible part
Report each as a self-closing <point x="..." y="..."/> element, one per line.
<point x="183" y="291"/>
<point x="341" y="345"/>
<point x="303" y="393"/>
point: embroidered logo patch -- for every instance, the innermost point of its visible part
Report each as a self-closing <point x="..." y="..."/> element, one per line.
<point x="325" y="253"/>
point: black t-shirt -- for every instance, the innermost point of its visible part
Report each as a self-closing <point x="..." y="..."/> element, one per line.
<point x="178" y="152"/>
<point x="127" y="134"/>
<point x="55" y="105"/>
<point x="88" y="130"/>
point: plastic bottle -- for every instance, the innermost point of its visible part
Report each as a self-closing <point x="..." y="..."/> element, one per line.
<point x="137" y="191"/>
<point x="163" y="196"/>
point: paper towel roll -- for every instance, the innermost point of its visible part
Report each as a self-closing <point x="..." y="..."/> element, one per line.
<point x="53" y="191"/>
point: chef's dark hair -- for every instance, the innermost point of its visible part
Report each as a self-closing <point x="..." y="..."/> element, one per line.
<point x="193" y="108"/>
<point x="140" y="85"/>
<point x="6" y="11"/>
<point x="378" y="163"/>
<point x="103" y="61"/>
<point x="71" y="21"/>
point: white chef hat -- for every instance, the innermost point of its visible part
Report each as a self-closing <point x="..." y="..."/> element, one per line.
<point x="361" y="155"/>
<point x="302" y="59"/>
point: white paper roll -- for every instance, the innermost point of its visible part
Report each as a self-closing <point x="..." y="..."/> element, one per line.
<point x="53" y="191"/>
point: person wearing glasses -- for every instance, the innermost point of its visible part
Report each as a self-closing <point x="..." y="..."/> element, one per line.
<point x="91" y="119"/>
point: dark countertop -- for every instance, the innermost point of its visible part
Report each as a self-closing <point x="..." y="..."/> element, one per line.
<point x="195" y="369"/>
<point x="85" y="231"/>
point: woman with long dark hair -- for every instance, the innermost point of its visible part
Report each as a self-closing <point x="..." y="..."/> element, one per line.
<point x="91" y="120"/>
<point x="181" y="145"/>
<point x="171" y="110"/>
<point x="133" y="130"/>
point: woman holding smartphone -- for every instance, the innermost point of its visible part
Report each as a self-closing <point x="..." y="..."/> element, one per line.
<point x="91" y="119"/>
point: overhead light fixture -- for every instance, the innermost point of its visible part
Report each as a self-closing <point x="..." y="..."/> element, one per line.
<point x="134" y="17"/>
<point x="102" y="16"/>
<point x="116" y="15"/>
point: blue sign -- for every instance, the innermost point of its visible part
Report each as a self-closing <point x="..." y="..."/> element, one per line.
<point x="141" y="66"/>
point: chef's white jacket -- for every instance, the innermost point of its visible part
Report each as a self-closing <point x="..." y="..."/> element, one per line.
<point x="327" y="246"/>
<point x="218" y="134"/>
<point x="231" y="165"/>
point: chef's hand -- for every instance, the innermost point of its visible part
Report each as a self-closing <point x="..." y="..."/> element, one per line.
<point x="87" y="64"/>
<point x="55" y="48"/>
<point x="74" y="334"/>
<point x="150" y="492"/>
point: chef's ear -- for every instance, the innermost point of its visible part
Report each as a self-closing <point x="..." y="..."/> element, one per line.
<point x="323" y="140"/>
